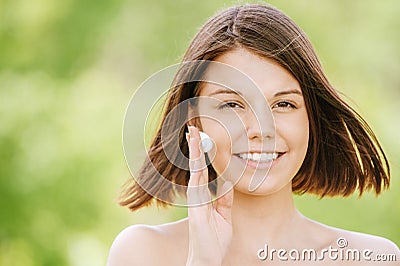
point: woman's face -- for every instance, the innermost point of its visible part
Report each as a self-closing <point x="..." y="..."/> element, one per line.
<point x="251" y="124"/>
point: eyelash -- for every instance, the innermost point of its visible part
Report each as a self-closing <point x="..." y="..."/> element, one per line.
<point x="229" y="105"/>
<point x="232" y="105"/>
<point x="288" y="105"/>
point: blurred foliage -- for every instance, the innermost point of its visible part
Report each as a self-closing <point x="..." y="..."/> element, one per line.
<point x="67" y="70"/>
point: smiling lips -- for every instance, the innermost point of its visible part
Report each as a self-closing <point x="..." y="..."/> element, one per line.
<point x="258" y="160"/>
<point x="259" y="157"/>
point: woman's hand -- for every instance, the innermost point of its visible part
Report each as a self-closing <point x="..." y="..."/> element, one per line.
<point x="210" y="225"/>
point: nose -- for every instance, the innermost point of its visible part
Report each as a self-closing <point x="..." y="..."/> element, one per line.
<point x="260" y="124"/>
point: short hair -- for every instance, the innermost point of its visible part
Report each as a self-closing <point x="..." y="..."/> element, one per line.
<point x="343" y="153"/>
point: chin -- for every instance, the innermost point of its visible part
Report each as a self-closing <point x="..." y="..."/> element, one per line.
<point x="268" y="187"/>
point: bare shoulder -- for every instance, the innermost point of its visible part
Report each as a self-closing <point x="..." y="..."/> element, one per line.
<point x="150" y="245"/>
<point x="365" y="248"/>
<point x="372" y="242"/>
<point x="372" y="249"/>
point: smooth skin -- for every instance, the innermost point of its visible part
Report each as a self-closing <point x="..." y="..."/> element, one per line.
<point x="231" y="230"/>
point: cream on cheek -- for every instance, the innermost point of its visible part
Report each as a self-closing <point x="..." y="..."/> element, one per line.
<point x="223" y="145"/>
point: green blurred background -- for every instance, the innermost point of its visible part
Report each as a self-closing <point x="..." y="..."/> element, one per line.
<point x="67" y="71"/>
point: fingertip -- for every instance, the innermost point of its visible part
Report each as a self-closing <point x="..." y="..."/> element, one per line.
<point x="194" y="140"/>
<point x="192" y="130"/>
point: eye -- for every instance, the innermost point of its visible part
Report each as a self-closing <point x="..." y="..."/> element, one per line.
<point x="229" y="105"/>
<point x="284" y="105"/>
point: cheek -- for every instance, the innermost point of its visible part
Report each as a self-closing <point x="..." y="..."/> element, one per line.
<point x="303" y="131"/>
<point x="295" y="131"/>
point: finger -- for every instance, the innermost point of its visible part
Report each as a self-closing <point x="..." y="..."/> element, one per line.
<point x="197" y="162"/>
<point x="197" y="191"/>
<point x="197" y="194"/>
<point x="194" y="175"/>
<point x="194" y="140"/>
<point x="224" y="203"/>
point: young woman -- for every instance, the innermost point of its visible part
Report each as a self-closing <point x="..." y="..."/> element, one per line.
<point x="293" y="134"/>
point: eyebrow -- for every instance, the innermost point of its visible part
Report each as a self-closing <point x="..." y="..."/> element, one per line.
<point x="279" y="93"/>
<point x="294" y="91"/>
<point x="225" y="91"/>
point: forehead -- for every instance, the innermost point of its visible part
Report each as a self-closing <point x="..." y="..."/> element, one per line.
<point x="241" y="70"/>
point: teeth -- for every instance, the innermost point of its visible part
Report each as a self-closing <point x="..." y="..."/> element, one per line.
<point x="259" y="157"/>
<point x="256" y="156"/>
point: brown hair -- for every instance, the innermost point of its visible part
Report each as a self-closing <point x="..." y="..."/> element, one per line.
<point x="343" y="153"/>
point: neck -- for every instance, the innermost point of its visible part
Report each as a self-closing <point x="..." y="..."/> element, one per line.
<point x="257" y="219"/>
